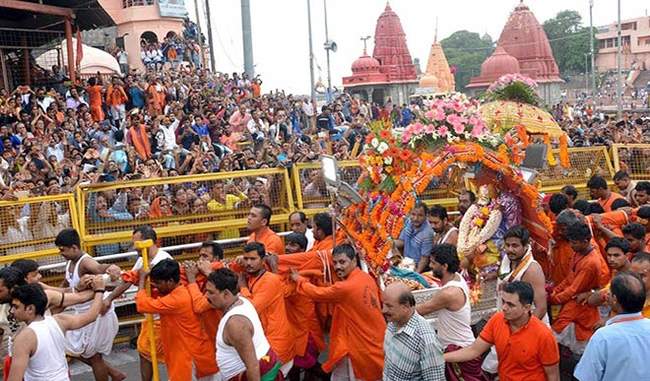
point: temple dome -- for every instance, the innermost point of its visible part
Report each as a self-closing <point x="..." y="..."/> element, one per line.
<point x="365" y="63"/>
<point x="524" y="38"/>
<point x="498" y="64"/>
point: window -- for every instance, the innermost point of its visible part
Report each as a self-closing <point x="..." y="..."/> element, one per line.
<point x="136" y="3"/>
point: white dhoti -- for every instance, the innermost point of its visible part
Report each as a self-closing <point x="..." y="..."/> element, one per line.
<point x="343" y="370"/>
<point x="569" y="340"/>
<point x="96" y="337"/>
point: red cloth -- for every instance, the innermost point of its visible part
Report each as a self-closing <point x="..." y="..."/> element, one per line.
<point x="467" y="371"/>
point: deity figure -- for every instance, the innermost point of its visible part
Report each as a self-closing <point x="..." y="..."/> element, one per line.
<point x="477" y="247"/>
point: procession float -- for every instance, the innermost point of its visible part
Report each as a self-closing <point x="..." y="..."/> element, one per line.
<point x="453" y="143"/>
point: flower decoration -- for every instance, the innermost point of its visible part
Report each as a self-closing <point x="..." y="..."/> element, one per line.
<point x="451" y="119"/>
<point x="514" y="87"/>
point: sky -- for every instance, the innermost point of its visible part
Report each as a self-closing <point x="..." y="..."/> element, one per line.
<point x="280" y="30"/>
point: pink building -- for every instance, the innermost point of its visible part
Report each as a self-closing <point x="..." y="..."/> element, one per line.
<point x="523" y="48"/>
<point x="635" y="41"/>
<point x="390" y="73"/>
<point x="150" y="20"/>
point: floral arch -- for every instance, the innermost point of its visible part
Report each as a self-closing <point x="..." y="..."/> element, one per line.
<point x="399" y="166"/>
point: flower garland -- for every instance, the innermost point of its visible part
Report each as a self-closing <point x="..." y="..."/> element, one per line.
<point x="514" y="87"/>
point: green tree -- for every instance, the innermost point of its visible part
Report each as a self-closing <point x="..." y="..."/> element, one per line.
<point x="466" y="51"/>
<point x="569" y="41"/>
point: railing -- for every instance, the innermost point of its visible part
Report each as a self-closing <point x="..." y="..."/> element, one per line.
<point x="633" y="158"/>
<point x="29" y="225"/>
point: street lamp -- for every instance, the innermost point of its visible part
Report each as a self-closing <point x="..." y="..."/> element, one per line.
<point x="587" y="73"/>
<point x="329" y="46"/>
<point x="591" y="49"/>
<point x="619" y="85"/>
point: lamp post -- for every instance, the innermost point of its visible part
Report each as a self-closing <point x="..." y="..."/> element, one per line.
<point x="591" y="49"/>
<point x="210" y="40"/>
<point x="587" y="73"/>
<point x="311" y="56"/>
<point x="619" y="85"/>
<point x="329" y="46"/>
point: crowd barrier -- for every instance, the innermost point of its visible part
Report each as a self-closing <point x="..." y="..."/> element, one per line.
<point x="106" y="214"/>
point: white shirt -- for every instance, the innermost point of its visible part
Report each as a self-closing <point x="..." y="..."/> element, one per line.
<point x="48" y="363"/>
<point x="169" y="135"/>
<point x="230" y="364"/>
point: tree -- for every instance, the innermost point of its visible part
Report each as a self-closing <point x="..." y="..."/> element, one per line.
<point x="569" y="41"/>
<point x="466" y="51"/>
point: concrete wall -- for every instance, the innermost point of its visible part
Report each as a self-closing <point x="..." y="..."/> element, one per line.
<point x="137" y="20"/>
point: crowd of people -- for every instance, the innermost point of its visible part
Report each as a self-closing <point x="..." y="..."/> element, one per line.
<point x="273" y="312"/>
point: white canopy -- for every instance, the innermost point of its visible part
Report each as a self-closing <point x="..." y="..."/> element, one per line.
<point x="93" y="59"/>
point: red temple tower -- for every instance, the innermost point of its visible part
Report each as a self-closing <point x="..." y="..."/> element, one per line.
<point x="523" y="39"/>
<point x="390" y="73"/>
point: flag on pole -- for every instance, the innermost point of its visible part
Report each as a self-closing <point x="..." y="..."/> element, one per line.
<point x="80" y="51"/>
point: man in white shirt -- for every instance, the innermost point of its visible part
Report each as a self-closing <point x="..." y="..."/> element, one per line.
<point x="452" y="304"/>
<point x="298" y="224"/>
<point x="39" y="349"/>
<point x="242" y="347"/>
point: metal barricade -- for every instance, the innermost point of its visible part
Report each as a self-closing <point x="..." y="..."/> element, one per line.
<point x="30" y="225"/>
<point x="182" y="209"/>
<point x="585" y="162"/>
<point x="633" y="158"/>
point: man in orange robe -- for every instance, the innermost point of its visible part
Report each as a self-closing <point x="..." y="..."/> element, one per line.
<point x="575" y="323"/>
<point x="358" y="326"/>
<point x="94" y="91"/>
<point x="266" y="292"/>
<point x="259" y="218"/>
<point x="301" y="312"/>
<point x="210" y="257"/>
<point x="183" y="340"/>
<point x="598" y="190"/>
<point x="641" y="267"/>
<point x="561" y="254"/>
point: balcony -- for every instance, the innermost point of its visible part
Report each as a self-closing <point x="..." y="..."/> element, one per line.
<point x="137" y="3"/>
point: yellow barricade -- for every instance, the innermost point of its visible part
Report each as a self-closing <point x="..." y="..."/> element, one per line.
<point x="585" y="162"/>
<point x="182" y="209"/>
<point x="30" y="225"/>
<point x="633" y="158"/>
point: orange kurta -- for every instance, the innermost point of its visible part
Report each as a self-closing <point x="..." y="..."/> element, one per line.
<point x="358" y="325"/>
<point x="209" y="316"/>
<point x="271" y="241"/>
<point x="607" y="204"/>
<point x="183" y="340"/>
<point x="301" y="312"/>
<point x="561" y="258"/>
<point x="266" y="292"/>
<point x="584" y="276"/>
<point x="95" y="100"/>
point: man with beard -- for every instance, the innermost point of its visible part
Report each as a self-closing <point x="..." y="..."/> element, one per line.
<point x="445" y="232"/>
<point x="519" y="265"/>
<point x="536" y="356"/>
<point x="416" y="239"/>
<point x="642" y="193"/>
<point x="465" y="199"/>
<point x="358" y="325"/>
<point x="266" y="291"/>
<point x="452" y="304"/>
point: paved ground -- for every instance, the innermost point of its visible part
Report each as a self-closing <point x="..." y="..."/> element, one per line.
<point x="123" y="358"/>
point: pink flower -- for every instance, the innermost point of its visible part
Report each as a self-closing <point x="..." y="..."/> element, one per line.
<point x="459" y="128"/>
<point x="443" y="131"/>
<point x="417" y="128"/>
<point x="406" y="137"/>
<point x="440" y="114"/>
<point x="458" y="107"/>
<point x="429" y="129"/>
<point x="428" y="114"/>
<point x="477" y="131"/>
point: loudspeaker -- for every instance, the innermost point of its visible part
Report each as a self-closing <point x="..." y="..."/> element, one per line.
<point x="535" y="156"/>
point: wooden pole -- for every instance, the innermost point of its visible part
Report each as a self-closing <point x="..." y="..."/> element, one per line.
<point x="144" y="246"/>
<point x="72" y="70"/>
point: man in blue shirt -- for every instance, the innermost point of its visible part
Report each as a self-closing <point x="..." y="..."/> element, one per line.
<point x="417" y="236"/>
<point x="621" y="349"/>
